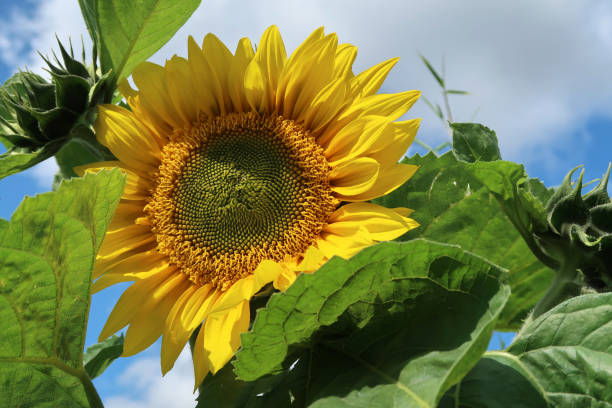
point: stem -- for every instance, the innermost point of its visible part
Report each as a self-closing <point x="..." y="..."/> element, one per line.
<point x="458" y="394"/>
<point x="92" y="394"/>
<point x="447" y="105"/>
<point x="562" y="288"/>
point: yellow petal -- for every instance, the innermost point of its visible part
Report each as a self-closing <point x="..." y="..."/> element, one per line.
<point x="312" y="260"/>
<point x="96" y="167"/>
<point x="357" y="138"/>
<point x="171" y="344"/>
<point x="125" y="215"/>
<point x="255" y="88"/>
<point x="222" y="335"/>
<point x="136" y="186"/>
<point x="245" y="288"/>
<point x="148" y="323"/>
<point x="134" y="266"/>
<point x="266" y="272"/>
<point x="389" y="179"/>
<point x="390" y="105"/>
<point x="126" y="89"/>
<point x="382" y="224"/>
<point x="307" y="75"/>
<point x="369" y="81"/>
<point x="308" y="43"/>
<point x="201" y="366"/>
<point x="219" y="58"/>
<point x="242" y="58"/>
<point x="325" y="105"/>
<point x="200" y="72"/>
<point x="183" y="320"/>
<point x="285" y="279"/>
<point x="180" y="89"/>
<point x="344" y="242"/>
<point x="130" y="142"/>
<point x="124" y="239"/>
<point x="345" y="56"/>
<point x="151" y="82"/>
<point x="396" y="146"/>
<point x="269" y="59"/>
<point x="132" y="299"/>
<point x="354" y="177"/>
<point x="156" y="126"/>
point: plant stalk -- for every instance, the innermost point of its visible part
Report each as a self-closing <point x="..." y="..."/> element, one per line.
<point x="562" y="288"/>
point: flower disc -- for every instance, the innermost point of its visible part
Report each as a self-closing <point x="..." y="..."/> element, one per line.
<point x="236" y="190"/>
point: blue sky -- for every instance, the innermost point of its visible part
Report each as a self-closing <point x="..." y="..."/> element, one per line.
<point x="538" y="74"/>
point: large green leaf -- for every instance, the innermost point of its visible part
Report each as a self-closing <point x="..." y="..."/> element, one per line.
<point x="396" y="325"/>
<point x="46" y="257"/>
<point x="453" y="206"/>
<point x="131" y="31"/>
<point x="563" y="358"/>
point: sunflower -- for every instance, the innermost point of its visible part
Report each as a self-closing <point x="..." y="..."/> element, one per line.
<point x="243" y="170"/>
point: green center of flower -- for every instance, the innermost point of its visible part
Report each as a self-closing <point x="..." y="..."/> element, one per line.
<point x="238" y="189"/>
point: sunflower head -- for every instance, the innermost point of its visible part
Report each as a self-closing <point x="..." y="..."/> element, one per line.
<point x="243" y="169"/>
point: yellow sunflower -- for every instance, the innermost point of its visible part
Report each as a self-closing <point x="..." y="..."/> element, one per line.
<point x="242" y="170"/>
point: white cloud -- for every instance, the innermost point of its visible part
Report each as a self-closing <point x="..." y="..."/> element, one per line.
<point x="537" y="71"/>
<point x="43" y="173"/>
<point x="145" y="387"/>
<point x="33" y="27"/>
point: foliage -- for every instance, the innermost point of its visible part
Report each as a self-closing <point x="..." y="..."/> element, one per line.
<point x="46" y="258"/>
<point x="402" y="324"/>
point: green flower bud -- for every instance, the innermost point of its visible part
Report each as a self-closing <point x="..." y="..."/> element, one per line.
<point x="580" y="230"/>
<point x="37" y="115"/>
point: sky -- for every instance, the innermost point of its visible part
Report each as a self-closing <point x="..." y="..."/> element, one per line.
<point x="538" y="73"/>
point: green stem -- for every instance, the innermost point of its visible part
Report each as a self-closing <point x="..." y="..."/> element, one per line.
<point x="563" y="287"/>
<point x="92" y="394"/>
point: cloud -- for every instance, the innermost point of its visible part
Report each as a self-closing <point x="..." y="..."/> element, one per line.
<point x="144" y="387"/>
<point x="536" y="71"/>
<point x="44" y="172"/>
<point x="32" y="27"/>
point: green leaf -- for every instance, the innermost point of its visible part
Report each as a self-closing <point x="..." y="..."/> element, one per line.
<point x="437" y="110"/>
<point x="518" y="198"/>
<point x="98" y="357"/>
<point x="565" y="356"/>
<point x="88" y="11"/>
<point x="46" y="257"/>
<point x="452" y="205"/>
<point x="568" y="350"/>
<point x="396" y="325"/>
<point x="433" y="72"/>
<point x="89" y="199"/>
<point x="19" y="159"/>
<point x="456" y="92"/>
<point x="131" y="31"/>
<point x="474" y="142"/>
<point x="497" y="381"/>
